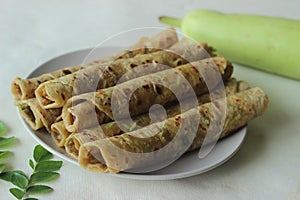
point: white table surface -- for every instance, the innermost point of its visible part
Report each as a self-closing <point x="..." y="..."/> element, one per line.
<point x="267" y="165"/>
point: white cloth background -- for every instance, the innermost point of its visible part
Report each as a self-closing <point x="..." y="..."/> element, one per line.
<point x="267" y="165"/>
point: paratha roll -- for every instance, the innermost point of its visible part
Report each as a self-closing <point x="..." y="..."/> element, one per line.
<point x="59" y="133"/>
<point x="140" y="149"/>
<point x="54" y="93"/>
<point x="162" y="40"/>
<point x="75" y="140"/>
<point x="37" y="117"/>
<point x="23" y="89"/>
<point x="146" y="91"/>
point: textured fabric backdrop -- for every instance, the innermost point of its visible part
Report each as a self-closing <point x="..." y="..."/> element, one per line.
<point x="267" y="165"/>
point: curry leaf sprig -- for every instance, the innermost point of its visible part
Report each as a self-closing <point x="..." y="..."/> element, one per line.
<point x="4" y="142"/>
<point x="44" y="170"/>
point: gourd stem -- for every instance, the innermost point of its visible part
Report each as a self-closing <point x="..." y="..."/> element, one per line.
<point x="170" y="21"/>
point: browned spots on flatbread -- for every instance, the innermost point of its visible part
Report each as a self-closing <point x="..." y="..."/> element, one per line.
<point x="177" y="121"/>
<point x="101" y="92"/>
<point x="147" y="87"/>
<point x="110" y="69"/>
<point x="66" y="71"/>
<point x="238" y="100"/>
<point x="132" y="65"/>
<point x="194" y="68"/>
<point x="85" y="74"/>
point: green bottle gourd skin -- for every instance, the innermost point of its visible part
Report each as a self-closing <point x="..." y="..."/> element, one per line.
<point x="267" y="43"/>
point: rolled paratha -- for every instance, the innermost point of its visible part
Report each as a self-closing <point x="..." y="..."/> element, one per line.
<point x="162" y="40"/>
<point x="59" y="133"/>
<point x="37" y="117"/>
<point x="23" y="89"/>
<point x="89" y="109"/>
<point x="50" y="110"/>
<point x="131" y="151"/>
<point x="75" y="140"/>
<point x="54" y="93"/>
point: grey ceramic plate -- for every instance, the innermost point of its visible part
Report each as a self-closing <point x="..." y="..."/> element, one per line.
<point x="186" y="166"/>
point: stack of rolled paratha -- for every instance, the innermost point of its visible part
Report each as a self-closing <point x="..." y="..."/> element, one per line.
<point x="146" y="105"/>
